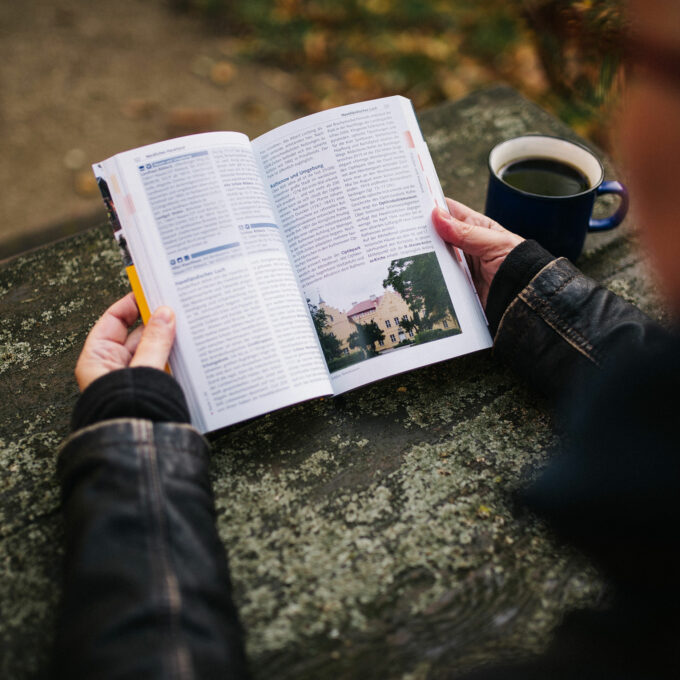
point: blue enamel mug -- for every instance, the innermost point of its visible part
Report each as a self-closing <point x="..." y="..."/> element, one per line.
<point x="558" y="223"/>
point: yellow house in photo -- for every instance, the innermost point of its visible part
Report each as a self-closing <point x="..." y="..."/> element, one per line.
<point x="387" y="310"/>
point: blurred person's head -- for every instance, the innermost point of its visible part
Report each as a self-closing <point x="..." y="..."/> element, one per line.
<point x="649" y="138"/>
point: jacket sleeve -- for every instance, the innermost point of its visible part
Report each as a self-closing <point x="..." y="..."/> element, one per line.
<point x="139" y="392"/>
<point x="558" y="325"/>
<point x="146" y="584"/>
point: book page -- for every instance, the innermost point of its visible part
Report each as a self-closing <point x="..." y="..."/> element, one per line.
<point x="202" y="233"/>
<point x="354" y="188"/>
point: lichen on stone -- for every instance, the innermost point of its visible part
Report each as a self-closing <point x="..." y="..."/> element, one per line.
<point x="14" y="354"/>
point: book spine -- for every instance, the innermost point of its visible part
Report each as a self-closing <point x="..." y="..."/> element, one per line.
<point x="114" y="223"/>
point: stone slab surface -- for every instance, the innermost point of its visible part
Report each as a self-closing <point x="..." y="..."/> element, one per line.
<point x="370" y="535"/>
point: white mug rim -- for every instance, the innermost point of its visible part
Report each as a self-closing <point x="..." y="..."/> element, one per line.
<point x="549" y="147"/>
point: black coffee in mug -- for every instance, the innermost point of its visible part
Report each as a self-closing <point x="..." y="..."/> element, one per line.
<point x="544" y="176"/>
<point x="544" y="188"/>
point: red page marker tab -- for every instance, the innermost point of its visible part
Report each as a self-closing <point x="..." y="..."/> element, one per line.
<point x="129" y="204"/>
<point x="459" y="257"/>
<point x="420" y="160"/>
<point x="456" y="252"/>
<point x="409" y="140"/>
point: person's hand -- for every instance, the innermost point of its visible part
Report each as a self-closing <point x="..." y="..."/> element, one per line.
<point x="110" y="346"/>
<point x="484" y="242"/>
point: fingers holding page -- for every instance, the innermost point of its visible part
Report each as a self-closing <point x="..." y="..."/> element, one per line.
<point x="105" y="348"/>
<point x="471" y="231"/>
<point x="116" y="320"/>
<point x="110" y="346"/>
<point x="465" y="214"/>
<point x="485" y="242"/>
<point x="156" y="340"/>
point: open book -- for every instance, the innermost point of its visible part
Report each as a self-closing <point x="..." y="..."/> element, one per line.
<point x="303" y="263"/>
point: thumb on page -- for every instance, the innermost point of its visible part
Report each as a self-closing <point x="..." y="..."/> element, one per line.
<point x="155" y="344"/>
<point x="473" y="239"/>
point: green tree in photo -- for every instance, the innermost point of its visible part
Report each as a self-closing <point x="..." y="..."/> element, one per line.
<point x="412" y="324"/>
<point x="365" y="336"/>
<point x="419" y="281"/>
<point x="354" y="342"/>
<point x="330" y="345"/>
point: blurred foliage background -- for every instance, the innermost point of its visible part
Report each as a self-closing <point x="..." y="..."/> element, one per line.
<point x="144" y="70"/>
<point x="563" y="54"/>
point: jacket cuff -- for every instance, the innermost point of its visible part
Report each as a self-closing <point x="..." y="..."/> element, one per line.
<point x="139" y="392"/>
<point x="519" y="267"/>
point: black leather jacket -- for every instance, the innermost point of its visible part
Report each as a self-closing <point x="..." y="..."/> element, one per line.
<point x="147" y="591"/>
<point x="612" y="490"/>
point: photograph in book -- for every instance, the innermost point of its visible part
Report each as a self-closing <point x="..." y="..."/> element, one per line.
<point x="395" y="304"/>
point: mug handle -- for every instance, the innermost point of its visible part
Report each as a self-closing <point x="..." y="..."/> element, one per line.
<point x="611" y="187"/>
